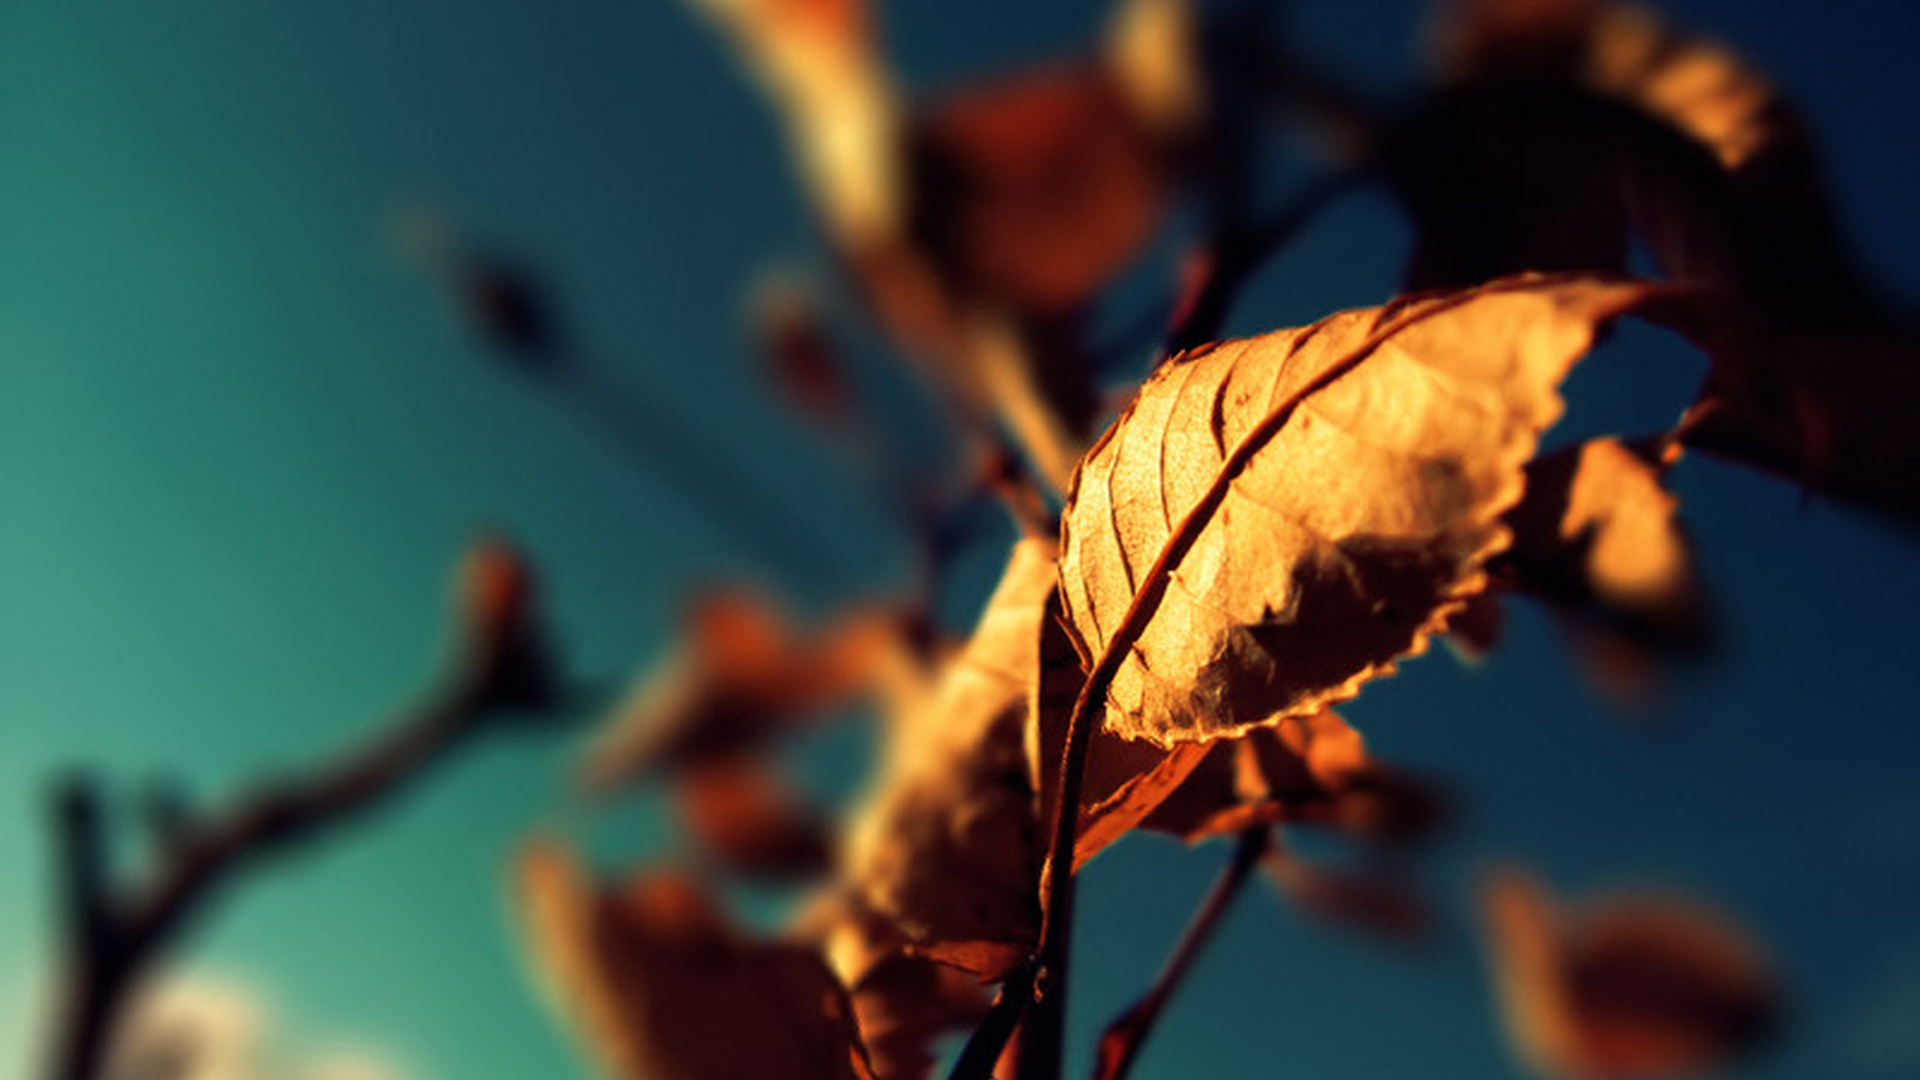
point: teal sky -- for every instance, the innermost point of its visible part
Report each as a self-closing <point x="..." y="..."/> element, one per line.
<point x="241" y="446"/>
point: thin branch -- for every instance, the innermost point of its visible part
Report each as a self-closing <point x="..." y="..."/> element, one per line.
<point x="989" y="1040"/>
<point x="1120" y="1044"/>
<point x="1238" y="249"/>
<point x="116" y="945"/>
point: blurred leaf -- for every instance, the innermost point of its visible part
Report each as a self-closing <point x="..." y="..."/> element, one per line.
<point x="740" y="676"/>
<point x="947" y="847"/>
<point x="1632" y="986"/>
<point x="742" y="814"/>
<point x="658" y="984"/>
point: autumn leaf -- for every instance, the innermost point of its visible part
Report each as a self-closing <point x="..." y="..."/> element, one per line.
<point x="744" y="816"/>
<point x="902" y="1000"/>
<point x="947" y="845"/>
<point x="658" y="983"/>
<point x="1375" y="899"/>
<point x="1682" y="143"/>
<point x="740" y="676"/>
<point x="1294" y="512"/>
<point x="1598" y="538"/>
<point x="1636" y="986"/>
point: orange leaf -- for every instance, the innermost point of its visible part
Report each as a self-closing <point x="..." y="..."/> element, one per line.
<point x="1337" y="491"/>
<point x="659" y="984"/>
<point x="947" y="846"/>
<point x="1634" y="986"/>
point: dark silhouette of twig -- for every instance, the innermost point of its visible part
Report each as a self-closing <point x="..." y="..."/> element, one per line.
<point x="1236" y="250"/>
<point x="1121" y="1042"/>
<point x="117" y="930"/>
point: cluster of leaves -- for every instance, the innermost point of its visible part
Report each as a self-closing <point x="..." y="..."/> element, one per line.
<point x="1269" y="524"/>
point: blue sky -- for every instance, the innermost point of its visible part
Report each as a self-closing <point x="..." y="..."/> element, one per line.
<point x="241" y="445"/>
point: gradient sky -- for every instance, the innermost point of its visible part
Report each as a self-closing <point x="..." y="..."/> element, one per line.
<point x="241" y="445"/>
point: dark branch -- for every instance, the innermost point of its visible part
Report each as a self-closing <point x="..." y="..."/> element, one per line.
<point x="120" y="933"/>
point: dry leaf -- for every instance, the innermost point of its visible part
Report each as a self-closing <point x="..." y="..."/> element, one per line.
<point x="741" y="675"/>
<point x="947" y="847"/>
<point x="820" y="65"/>
<point x="743" y="814"/>
<point x="1033" y="191"/>
<point x="1375" y="900"/>
<point x="1341" y="488"/>
<point x="1635" y="986"/>
<point x="659" y="984"/>
<point x="1598" y="532"/>
<point x="903" y="1001"/>
<point x="1829" y="407"/>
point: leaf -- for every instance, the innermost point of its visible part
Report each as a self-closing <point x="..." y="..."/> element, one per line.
<point x="1718" y="175"/>
<point x="1294" y="512"/>
<point x="819" y="63"/>
<point x="1371" y="899"/>
<point x="742" y="814"/>
<point x="659" y="984"/>
<point x="1598" y="537"/>
<point x="1633" y="986"/>
<point x="1829" y="407"/>
<point x="902" y="1000"/>
<point x="947" y="847"/>
<point x="741" y="675"/>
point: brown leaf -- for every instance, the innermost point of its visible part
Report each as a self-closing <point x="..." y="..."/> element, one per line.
<point x="1034" y="190"/>
<point x="1340" y="487"/>
<point x="1374" y="900"/>
<point x="1634" y="986"/>
<point x="1811" y="372"/>
<point x="947" y="846"/>
<point x="902" y="1000"/>
<point x="1599" y="533"/>
<point x="743" y="815"/>
<point x="741" y="675"/>
<point x="1830" y="407"/>
<point x="659" y="984"/>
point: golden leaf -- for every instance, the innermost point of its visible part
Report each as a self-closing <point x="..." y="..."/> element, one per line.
<point x="947" y="846"/>
<point x="1297" y="511"/>
<point x="1598" y="537"/>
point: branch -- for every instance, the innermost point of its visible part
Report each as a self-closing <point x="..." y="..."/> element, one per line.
<point x="501" y="668"/>
<point x="1236" y="250"/>
<point x="1120" y="1044"/>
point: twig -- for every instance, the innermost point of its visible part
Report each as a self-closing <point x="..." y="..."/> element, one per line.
<point x="1236" y="250"/>
<point x="117" y="934"/>
<point x="984" y="1046"/>
<point x="1120" y="1044"/>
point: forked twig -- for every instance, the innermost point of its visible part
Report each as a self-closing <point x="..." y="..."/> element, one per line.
<point x="117" y="930"/>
